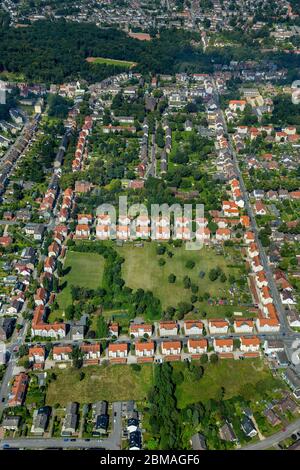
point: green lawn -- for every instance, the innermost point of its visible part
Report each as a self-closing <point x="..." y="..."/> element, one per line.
<point x="84" y="270"/>
<point x="105" y="60"/>
<point x="228" y="373"/>
<point x="141" y="270"/>
<point x="112" y="383"/>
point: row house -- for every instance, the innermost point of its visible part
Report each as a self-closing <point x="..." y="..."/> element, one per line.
<point x="237" y="105"/>
<point x="103" y="232"/>
<point x="218" y="326"/>
<point x="84" y="219"/>
<point x="203" y="234"/>
<point x="144" y="350"/>
<point x="82" y="231"/>
<point x="161" y="233"/>
<point x="46" y="330"/>
<point x="249" y="344"/>
<point x="62" y="353"/>
<point x="18" y="390"/>
<point x="182" y="233"/>
<point x="249" y="237"/>
<point x="197" y="346"/>
<point x="168" y="328"/>
<point x="223" y="234"/>
<point x="193" y="327"/>
<point x="243" y="326"/>
<point x="267" y="325"/>
<point x="261" y="280"/>
<point x="63" y="215"/>
<point x="253" y="250"/>
<point x="54" y="249"/>
<point x="256" y="264"/>
<point x="118" y="350"/>
<point x="123" y="232"/>
<point x="171" y="348"/>
<point x="245" y="221"/>
<point x="49" y="265"/>
<point x="40" y="297"/>
<point x="223" y="345"/>
<point x="91" y="352"/>
<point x="36" y="355"/>
<point x="265" y="296"/>
<point x="138" y="330"/>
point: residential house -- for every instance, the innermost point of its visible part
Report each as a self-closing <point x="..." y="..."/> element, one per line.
<point x="70" y="420"/>
<point x="223" y="234"/>
<point x="168" y="328"/>
<point x="197" y="346"/>
<point x="267" y="325"/>
<point x="113" y="329"/>
<point x="118" y="350"/>
<point x="91" y="353"/>
<point x="293" y="380"/>
<point x="18" y="390"/>
<point x="223" y="345"/>
<point x="138" y="330"/>
<point x="171" y="348"/>
<point x="36" y="355"/>
<point x="243" y="326"/>
<point x="11" y="423"/>
<point x="259" y="208"/>
<point x="218" y="327"/>
<point x="82" y="231"/>
<point x="249" y="344"/>
<point x="143" y="350"/>
<point x="193" y="327"/>
<point x="62" y="353"/>
<point x="248" y="427"/>
<point x="40" y="420"/>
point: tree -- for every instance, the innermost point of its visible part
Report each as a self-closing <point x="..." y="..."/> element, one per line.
<point x="204" y="359"/>
<point x="69" y="312"/>
<point x="171" y="278"/>
<point x="81" y="376"/>
<point x="77" y="357"/>
<point x="160" y="250"/>
<point x="186" y="282"/>
<point x="102" y="327"/>
<point x="184" y="308"/>
<point x="213" y="275"/>
<point x="178" y="377"/>
<point x="190" y="264"/>
<point x="214" y="358"/>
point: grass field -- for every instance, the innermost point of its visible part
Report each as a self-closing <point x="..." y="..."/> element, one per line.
<point x="117" y="63"/>
<point x="112" y="383"/>
<point x="141" y="270"/>
<point x="121" y="382"/>
<point x="84" y="270"/>
<point x="227" y="373"/>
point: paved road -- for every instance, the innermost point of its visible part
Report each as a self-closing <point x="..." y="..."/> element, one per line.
<point x="113" y="442"/>
<point x="275" y="438"/>
<point x="4" y="389"/>
<point x="269" y="275"/>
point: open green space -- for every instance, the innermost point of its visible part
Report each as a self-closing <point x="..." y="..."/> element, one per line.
<point x="231" y="374"/>
<point x="112" y="383"/>
<point x="105" y="60"/>
<point x="141" y="269"/>
<point x="83" y="270"/>
<point x="121" y="382"/>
